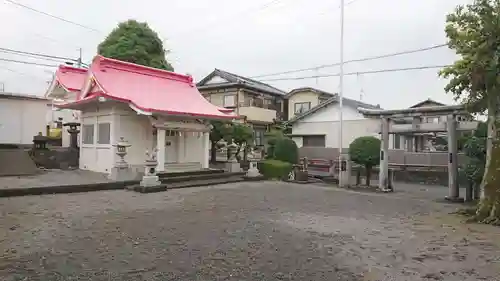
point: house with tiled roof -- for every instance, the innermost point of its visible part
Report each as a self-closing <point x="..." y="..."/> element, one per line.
<point x="260" y="104"/>
<point x="314" y="118"/>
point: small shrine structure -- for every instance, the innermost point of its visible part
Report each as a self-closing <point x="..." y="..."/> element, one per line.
<point x="153" y="109"/>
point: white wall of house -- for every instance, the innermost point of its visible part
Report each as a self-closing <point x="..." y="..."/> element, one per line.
<point x="326" y="122"/>
<point x="137" y="130"/>
<point x="96" y="152"/>
<point x="21" y="119"/>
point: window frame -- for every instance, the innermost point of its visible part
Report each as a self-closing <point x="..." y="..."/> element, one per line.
<point x="301" y="104"/>
<point x="227" y="96"/>
<point x="85" y="134"/>
<point x="98" y="138"/>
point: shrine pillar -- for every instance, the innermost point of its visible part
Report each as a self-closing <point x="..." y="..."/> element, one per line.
<point x="451" y="124"/>
<point x="384" y="155"/>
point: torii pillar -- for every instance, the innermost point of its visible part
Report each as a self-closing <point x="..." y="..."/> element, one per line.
<point x="454" y="192"/>
<point x="384" y="183"/>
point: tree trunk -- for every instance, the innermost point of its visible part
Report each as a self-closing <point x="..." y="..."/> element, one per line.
<point x="368" y="170"/>
<point x="213" y="152"/>
<point x="358" y="177"/>
<point x="488" y="210"/>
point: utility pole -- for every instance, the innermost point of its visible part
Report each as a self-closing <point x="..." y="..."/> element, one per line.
<point x="341" y="90"/>
<point x="317" y="77"/>
<point x="79" y="62"/>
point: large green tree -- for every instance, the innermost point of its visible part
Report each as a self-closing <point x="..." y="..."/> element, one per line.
<point x="473" y="31"/>
<point x="135" y="42"/>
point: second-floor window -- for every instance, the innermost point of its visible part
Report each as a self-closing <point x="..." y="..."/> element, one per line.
<point x="229" y="101"/>
<point x="301" y="107"/>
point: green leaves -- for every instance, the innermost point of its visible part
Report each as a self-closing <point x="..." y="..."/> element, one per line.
<point x="473" y="31"/>
<point x="135" y="42"/>
<point x="365" y="151"/>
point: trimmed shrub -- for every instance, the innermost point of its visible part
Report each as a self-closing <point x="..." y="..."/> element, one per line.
<point x="286" y="150"/>
<point x="274" y="169"/>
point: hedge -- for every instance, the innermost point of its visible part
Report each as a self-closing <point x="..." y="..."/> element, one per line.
<point x="286" y="150"/>
<point x="274" y="169"/>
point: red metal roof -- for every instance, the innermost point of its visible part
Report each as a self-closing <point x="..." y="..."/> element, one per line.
<point x="71" y="78"/>
<point x="148" y="89"/>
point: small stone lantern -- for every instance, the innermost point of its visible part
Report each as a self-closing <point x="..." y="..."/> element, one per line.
<point x="121" y="151"/>
<point x="150" y="179"/>
<point x="253" y="171"/>
<point x="150" y="163"/>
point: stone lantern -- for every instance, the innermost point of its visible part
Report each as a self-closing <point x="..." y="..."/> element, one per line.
<point x="121" y="170"/>
<point x="121" y="151"/>
<point x="73" y="133"/>
<point x="253" y="171"/>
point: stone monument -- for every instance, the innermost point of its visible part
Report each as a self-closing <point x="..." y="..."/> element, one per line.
<point x="345" y="169"/>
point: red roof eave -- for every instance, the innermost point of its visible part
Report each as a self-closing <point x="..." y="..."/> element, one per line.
<point x="94" y="96"/>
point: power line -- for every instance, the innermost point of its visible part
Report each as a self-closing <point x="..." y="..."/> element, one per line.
<point x="357" y="73"/>
<point x="34" y="54"/>
<point x="31" y="56"/>
<point x="40" y="56"/>
<point x="52" y="16"/>
<point x="354" y="60"/>
<point x="29" y="62"/>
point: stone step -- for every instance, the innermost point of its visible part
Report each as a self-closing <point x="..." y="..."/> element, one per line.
<point x="190" y="173"/>
<point x="185" y="178"/>
<point x="205" y="182"/>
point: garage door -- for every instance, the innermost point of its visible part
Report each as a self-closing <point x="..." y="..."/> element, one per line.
<point x="10" y="121"/>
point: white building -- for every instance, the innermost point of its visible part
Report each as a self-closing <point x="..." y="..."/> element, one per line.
<point x="149" y="108"/>
<point x="319" y="125"/>
<point x="22" y="117"/>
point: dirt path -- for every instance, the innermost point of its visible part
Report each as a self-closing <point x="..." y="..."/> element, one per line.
<point x="246" y="231"/>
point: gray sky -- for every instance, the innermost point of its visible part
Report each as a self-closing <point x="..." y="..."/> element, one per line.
<point x="244" y="38"/>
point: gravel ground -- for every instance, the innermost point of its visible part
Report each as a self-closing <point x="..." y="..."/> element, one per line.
<point x="244" y="231"/>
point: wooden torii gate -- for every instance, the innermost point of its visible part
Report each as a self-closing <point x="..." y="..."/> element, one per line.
<point x="451" y="126"/>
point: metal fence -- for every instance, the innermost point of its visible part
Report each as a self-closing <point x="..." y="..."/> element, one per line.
<point x="396" y="157"/>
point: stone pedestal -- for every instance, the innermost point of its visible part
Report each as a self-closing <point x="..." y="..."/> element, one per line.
<point x="150" y="181"/>
<point x="253" y="172"/>
<point x="122" y="174"/>
<point x="345" y="171"/>
<point x="232" y="165"/>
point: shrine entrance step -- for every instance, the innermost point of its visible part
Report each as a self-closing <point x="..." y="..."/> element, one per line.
<point x="200" y="178"/>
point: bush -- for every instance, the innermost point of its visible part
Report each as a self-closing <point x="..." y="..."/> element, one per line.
<point x="286" y="150"/>
<point x="365" y="151"/>
<point x="274" y="169"/>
